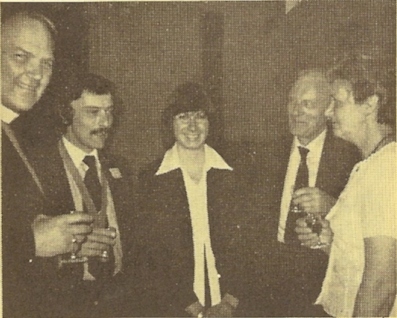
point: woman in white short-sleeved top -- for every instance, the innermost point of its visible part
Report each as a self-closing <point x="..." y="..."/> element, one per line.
<point x="361" y="274"/>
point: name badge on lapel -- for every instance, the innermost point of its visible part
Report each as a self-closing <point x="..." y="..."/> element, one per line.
<point x="115" y="172"/>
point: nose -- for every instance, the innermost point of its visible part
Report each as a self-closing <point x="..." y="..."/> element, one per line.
<point x="329" y="113"/>
<point x="192" y="125"/>
<point x="105" y="119"/>
<point x="35" y="69"/>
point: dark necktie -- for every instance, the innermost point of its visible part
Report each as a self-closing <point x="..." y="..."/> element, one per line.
<point x="96" y="267"/>
<point x="301" y="181"/>
<point x="91" y="181"/>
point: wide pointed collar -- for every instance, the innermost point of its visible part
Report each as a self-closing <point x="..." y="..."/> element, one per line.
<point x="171" y="160"/>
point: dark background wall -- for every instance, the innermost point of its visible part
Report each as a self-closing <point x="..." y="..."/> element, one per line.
<point x="246" y="53"/>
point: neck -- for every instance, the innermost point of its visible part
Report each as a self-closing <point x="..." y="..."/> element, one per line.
<point x="191" y="155"/>
<point x="306" y="141"/>
<point x="72" y="140"/>
<point x="374" y="139"/>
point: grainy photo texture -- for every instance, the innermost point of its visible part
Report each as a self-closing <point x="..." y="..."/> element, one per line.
<point x="198" y="159"/>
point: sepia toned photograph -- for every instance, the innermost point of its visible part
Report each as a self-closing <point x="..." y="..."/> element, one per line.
<point x="198" y="159"/>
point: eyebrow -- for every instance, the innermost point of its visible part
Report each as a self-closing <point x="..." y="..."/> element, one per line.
<point x="18" y="48"/>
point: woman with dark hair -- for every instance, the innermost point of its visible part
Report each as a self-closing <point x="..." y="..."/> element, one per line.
<point x="361" y="275"/>
<point x="189" y="218"/>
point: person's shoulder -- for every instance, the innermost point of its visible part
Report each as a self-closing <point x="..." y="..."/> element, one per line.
<point x="385" y="158"/>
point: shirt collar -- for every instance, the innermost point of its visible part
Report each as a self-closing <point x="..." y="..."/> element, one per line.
<point x="316" y="144"/>
<point x="171" y="160"/>
<point x="77" y="154"/>
<point x="8" y="115"/>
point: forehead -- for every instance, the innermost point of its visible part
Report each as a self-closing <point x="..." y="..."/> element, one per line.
<point x="28" y="34"/>
<point x="88" y="99"/>
<point x="309" y="88"/>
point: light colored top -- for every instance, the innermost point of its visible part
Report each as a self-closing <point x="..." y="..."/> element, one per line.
<point x="313" y="162"/>
<point x="366" y="208"/>
<point x="77" y="156"/>
<point x="8" y="115"/>
<point x="197" y="199"/>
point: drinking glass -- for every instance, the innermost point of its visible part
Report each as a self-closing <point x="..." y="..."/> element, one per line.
<point x="73" y="257"/>
<point x="313" y="220"/>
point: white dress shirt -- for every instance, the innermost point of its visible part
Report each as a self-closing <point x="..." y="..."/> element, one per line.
<point x="77" y="155"/>
<point x="197" y="199"/>
<point x="313" y="161"/>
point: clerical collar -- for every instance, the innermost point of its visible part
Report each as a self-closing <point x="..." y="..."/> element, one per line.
<point x="76" y="153"/>
<point x="8" y="115"/>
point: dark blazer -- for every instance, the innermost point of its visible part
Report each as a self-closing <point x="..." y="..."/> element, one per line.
<point x="66" y="285"/>
<point x="295" y="274"/>
<point x="21" y="202"/>
<point x="166" y="266"/>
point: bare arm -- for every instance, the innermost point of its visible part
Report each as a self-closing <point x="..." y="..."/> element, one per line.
<point x="377" y="291"/>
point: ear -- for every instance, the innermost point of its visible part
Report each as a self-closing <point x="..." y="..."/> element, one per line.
<point x="371" y="104"/>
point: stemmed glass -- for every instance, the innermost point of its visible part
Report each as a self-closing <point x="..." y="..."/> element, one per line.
<point x="313" y="220"/>
<point x="73" y="258"/>
<point x="100" y="221"/>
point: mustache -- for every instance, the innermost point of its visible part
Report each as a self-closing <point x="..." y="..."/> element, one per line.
<point x="100" y="131"/>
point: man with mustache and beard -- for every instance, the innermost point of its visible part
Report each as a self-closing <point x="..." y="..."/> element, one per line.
<point x="305" y="171"/>
<point x="78" y="178"/>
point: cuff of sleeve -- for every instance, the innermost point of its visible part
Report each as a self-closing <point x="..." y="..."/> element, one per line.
<point x="233" y="301"/>
<point x="195" y="309"/>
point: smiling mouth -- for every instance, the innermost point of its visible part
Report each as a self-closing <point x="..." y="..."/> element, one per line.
<point x="30" y="88"/>
<point x="192" y="137"/>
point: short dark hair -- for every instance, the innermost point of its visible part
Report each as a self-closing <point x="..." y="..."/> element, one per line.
<point x="73" y="88"/>
<point x="188" y="97"/>
<point x="369" y="74"/>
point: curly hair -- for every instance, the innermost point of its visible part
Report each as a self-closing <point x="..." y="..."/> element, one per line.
<point x="72" y="89"/>
<point x="369" y="75"/>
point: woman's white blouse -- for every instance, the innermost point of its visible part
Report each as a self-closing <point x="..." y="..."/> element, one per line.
<point x="366" y="208"/>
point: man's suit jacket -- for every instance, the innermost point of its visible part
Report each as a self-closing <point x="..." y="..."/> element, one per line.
<point x="300" y="270"/>
<point x="22" y="201"/>
<point x="166" y="266"/>
<point x="50" y="169"/>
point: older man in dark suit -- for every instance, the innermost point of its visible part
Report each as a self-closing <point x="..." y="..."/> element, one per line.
<point x="306" y="170"/>
<point x="78" y="177"/>
<point x="28" y="238"/>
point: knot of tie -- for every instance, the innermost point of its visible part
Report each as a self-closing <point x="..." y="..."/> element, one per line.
<point x="89" y="161"/>
<point x="303" y="152"/>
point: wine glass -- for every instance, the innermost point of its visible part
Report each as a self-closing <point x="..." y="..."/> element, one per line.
<point x="313" y="220"/>
<point x="101" y="221"/>
<point x="73" y="257"/>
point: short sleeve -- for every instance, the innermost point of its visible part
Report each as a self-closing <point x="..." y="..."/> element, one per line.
<point x="379" y="209"/>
